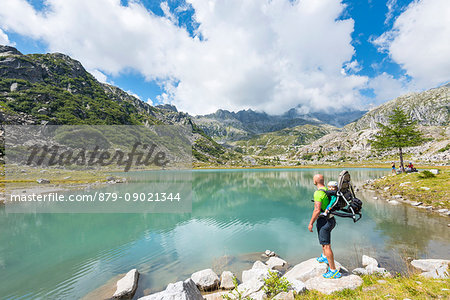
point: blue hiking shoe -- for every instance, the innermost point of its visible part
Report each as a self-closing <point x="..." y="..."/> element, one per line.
<point x="322" y="259"/>
<point x="332" y="274"/>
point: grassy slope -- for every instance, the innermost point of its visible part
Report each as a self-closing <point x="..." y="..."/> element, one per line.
<point x="438" y="196"/>
<point x="412" y="287"/>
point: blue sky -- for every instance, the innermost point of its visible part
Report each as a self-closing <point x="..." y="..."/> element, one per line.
<point x="182" y="56"/>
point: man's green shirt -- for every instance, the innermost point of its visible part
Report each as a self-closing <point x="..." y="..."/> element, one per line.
<point x="321" y="196"/>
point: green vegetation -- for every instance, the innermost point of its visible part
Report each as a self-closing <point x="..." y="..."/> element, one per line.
<point x="400" y="287"/>
<point x="446" y="148"/>
<point x="425" y="174"/>
<point x="399" y="133"/>
<point x="415" y="186"/>
<point x="275" y="284"/>
<point x="235" y="294"/>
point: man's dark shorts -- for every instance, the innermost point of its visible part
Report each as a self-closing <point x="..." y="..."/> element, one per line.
<point x="324" y="227"/>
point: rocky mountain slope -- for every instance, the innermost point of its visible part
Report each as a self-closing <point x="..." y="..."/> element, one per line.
<point x="55" y="89"/>
<point x="429" y="108"/>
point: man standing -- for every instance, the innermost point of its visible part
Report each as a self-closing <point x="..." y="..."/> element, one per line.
<point x="324" y="226"/>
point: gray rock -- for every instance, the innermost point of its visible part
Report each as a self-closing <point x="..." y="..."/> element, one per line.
<point x="284" y="296"/>
<point x="367" y="260"/>
<point x="216" y="296"/>
<point x="328" y="286"/>
<point x="276" y="263"/>
<point x="360" y="271"/>
<point x="416" y="203"/>
<point x="434" y="171"/>
<point x="375" y="270"/>
<point x="250" y="287"/>
<point x="226" y="280"/>
<point x="269" y="253"/>
<point x="434" y="268"/>
<point x="309" y="269"/>
<point x="205" y="279"/>
<point x="43" y="181"/>
<point x="181" y="290"/>
<point x="425" y="188"/>
<point x="127" y="285"/>
<point x="394" y="202"/>
<point x="254" y="274"/>
<point x="297" y="286"/>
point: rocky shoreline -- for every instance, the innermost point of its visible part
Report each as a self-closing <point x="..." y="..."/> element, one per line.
<point x="256" y="283"/>
<point x="384" y="193"/>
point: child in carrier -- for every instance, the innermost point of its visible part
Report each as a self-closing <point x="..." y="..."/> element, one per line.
<point x="332" y="186"/>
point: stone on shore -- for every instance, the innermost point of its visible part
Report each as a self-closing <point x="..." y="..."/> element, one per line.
<point x="434" y="268"/>
<point x="43" y="181"/>
<point x="181" y="290"/>
<point x="367" y="260"/>
<point x="435" y="171"/>
<point x="276" y="263"/>
<point x="226" y="280"/>
<point x="216" y="296"/>
<point x="284" y="296"/>
<point x="309" y="269"/>
<point x="205" y="279"/>
<point x="328" y="286"/>
<point x="360" y="271"/>
<point x="297" y="286"/>
<point x="259" y="271"/>
<point x="250" y="287"/>
<point x="127" y="285"/>
<point x="270" y="253"/>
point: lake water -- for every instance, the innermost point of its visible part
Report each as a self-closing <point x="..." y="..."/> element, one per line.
<point x="236" y="214"/>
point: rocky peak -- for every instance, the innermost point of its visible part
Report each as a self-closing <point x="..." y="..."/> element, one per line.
<point x="8" y="50"/>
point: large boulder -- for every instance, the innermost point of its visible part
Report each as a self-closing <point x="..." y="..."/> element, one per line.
<point x="226" y="280"/>
<point x="181" y="290"/>
<point x="434" y="268"/>
<point x="328" y="286"/>
<point x="259" y="271"/>
<point x="367" y="261"/>
<point x="250" y="287"/>
<point x="309" y="269"/>
<point x="206" y="279"/>
<point x="127" y="285"/>
<point x="276" y="263"/>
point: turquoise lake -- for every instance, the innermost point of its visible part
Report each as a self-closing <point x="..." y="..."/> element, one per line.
<point x="236" y="215"/>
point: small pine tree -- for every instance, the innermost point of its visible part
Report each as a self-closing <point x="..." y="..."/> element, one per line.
<point x="400" y="132"/>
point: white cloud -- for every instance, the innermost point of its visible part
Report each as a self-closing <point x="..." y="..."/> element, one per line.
<point x="386" y="87"/>
<point x="267" y="55"/>
<point x="4" y="40"/>
<point x="149" y="101"/>
<point x="391" y="6"/>
<point x="419" y="42"/>
<point x="134" y="95"/>
<point x="100" y="76"/>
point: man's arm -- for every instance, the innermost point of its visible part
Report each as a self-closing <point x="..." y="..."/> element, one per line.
<point x="315" y="214"/>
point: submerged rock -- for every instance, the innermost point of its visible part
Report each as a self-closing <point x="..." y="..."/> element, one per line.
<point x="328" y="286"/>
<point x="181" y="290"/>
<point x="127" y="285"/>
<point x="206" y="279"/>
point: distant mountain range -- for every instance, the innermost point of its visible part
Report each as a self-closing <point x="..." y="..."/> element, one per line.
<point x="225" y="126"/>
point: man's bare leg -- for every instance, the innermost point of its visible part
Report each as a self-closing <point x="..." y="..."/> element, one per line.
<point x="329" y="255"/>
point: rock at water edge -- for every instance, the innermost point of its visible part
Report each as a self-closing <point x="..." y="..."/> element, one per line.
<point x="226" y="280"/>
<point x="127" y="285"/>
<point x="181" y="290"/>
<point x="205" y="279"/>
